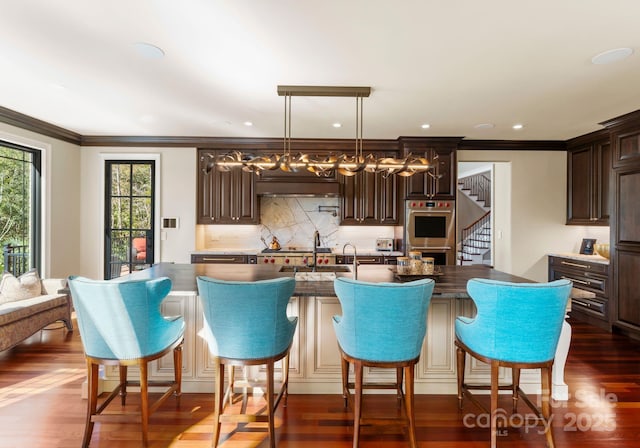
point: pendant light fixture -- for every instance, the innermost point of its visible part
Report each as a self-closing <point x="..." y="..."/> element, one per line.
<point x="345" y="164"/>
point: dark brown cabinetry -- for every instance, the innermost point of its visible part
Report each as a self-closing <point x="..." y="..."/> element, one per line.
<point x="226" y="259"/>
<point x="588" y="276"/>
<point x="367" y="259"/>
<point x="589" y="160"/>
<point x="225" y="197"/>
<point x="625" y="222"/>
<point x="442" y="153"/>
<point x="370" y="198"/>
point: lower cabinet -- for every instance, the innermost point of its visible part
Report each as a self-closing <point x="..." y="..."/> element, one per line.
<point x="588" y="276"/>
<point x="228" y="259"/>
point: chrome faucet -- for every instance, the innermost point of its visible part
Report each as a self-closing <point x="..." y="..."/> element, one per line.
<point x="316" y="244"/>
<point x="355" y="259"/>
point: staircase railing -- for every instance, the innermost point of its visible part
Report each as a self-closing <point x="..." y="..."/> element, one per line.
<point x="470" y="235"/>
<point x="478" y="185"/>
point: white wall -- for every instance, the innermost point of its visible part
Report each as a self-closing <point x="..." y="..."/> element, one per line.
<point x="61" y="199"/>
<point x="530" y="210"/>
<point x="176" y="199"/>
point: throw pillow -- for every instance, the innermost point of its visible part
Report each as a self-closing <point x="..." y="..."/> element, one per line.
<point x="24" y="287"/>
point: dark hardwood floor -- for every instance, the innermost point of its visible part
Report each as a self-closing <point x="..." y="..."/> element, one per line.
<point x="40" y="406"/>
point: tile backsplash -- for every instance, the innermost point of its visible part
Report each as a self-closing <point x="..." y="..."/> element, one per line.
<point x="293" y="220"/>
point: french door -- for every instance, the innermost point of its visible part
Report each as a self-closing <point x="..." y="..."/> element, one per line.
<point x="129" y="216"/>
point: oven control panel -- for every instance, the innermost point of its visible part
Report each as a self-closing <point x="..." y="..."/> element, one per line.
<point x="430" y="205"/>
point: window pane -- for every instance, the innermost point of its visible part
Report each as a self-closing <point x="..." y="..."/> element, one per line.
<point x="120" y="246"/>
<point x="17" y="181"/>
<point x="120" y="181"/>
<point x="141" y="213"/>
<point x="141" y="184"/>
<point x="120" y="213"/>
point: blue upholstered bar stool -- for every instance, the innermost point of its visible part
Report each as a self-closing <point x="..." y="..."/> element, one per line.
<point x="121" y="324"/>
<point x="382" y="325"/>
<point x="245" y="324"/>
<point x="517" y="326"/>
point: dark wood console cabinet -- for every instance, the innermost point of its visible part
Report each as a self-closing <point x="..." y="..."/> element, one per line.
<point x="225" y="197"/>
<point x="589" y="160"/>
<point x="588" y="276"/>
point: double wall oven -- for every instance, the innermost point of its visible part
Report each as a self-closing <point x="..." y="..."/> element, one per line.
<point x="430" y="228"/>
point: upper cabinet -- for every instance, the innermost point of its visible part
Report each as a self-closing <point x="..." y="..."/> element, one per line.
<point x="225" y="197"/>
<point x="589" y="160"/>
<point x="442" y="153"/>
<point x="625" y="137"/>
<point x="370" y="198"/>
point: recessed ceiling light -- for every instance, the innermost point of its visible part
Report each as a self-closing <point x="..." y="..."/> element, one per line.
<point x="485" y="126"/>
<point x="517" y="126"/>
<point x="248" y="123"/>
<point x="337" y="125"/>
<point x="148" y="51"/>
<point x="611" y="56"/>
<point x="425" y="126"/>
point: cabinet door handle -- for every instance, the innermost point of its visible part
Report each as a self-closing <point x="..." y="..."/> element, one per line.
<point x="584" y="266"/>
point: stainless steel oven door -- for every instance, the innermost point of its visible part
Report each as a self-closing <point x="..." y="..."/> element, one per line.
<point x="430" y="228"/>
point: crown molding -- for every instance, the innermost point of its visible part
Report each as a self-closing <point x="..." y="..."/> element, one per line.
<point x="23" y="121"/>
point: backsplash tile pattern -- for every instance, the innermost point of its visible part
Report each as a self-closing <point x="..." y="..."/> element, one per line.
<point x="293" y="220"/>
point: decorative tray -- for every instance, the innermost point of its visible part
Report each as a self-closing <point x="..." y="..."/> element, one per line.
<point x="437" y="272"/>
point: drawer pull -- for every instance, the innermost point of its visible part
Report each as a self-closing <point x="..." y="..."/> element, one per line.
<point x="368" y="260"/>
<point x="582" y="282"/>
<point x="585" y="266"/>
<point x="580" y="302"/>
<point x="218" y="259"/>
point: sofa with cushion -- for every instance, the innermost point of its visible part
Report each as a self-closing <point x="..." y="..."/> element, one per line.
<point x="28" y="304"/>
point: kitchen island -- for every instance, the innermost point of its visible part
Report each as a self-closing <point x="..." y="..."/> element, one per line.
<point x="315" y="359"/>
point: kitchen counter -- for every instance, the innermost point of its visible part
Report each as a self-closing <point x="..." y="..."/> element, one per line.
<point x="315" y="365"/>
<point x="336" y="251"/>
<point x="452" y="284"/>
<point x="581" y="257"/>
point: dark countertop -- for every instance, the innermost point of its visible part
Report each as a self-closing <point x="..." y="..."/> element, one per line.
<point x="451" y="284"/>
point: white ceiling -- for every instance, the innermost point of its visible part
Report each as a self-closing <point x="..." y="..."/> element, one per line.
<point x="453" y="64"/>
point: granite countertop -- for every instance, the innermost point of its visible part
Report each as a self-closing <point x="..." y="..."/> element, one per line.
<point x="451" y="284"/>
<point x="581" y="257"/>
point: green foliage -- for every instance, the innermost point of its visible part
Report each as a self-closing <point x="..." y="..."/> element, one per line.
<point x="15" y="197"/>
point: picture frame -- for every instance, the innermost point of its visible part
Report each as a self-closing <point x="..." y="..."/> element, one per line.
<point x="586" y="248"/>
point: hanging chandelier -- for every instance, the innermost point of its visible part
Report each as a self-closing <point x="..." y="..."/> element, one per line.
<point x="324" y="166"/>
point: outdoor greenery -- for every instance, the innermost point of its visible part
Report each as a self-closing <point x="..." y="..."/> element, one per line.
<point x="130" y="212"/>
<point x="15" y="198"/>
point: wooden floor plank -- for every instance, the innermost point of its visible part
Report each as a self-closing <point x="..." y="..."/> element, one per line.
<point x="40" y="406"/>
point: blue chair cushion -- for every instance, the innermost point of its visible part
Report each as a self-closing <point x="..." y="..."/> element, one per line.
<point x="515" y="322"/>
<point x="121" y="319"/>
<point x="247" y="320"/>
<point x="382" y="322"/>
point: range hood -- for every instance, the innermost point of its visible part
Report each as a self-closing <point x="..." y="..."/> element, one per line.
<point x="302" y="189"/>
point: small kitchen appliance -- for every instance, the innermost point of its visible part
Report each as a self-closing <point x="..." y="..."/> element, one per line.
<point x="384" y="244"/>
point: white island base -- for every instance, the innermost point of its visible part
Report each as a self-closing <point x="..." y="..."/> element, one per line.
<point x="315" y="359"/>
